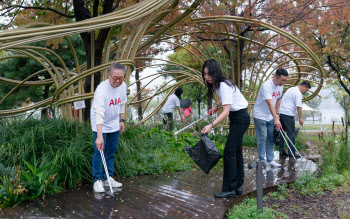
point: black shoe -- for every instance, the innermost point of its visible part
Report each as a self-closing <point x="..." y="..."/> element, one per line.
<point x="225" y="195"/>
<point x="239" y="191"/>
<point x="283" y="154"/>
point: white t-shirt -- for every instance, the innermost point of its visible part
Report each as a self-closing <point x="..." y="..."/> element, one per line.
<point x="231" y="95"/>
<point x="108" y="103"/>
<point x="292" y="99"/>
<point x="171" y="103"/>
<point x="268" y="91"/>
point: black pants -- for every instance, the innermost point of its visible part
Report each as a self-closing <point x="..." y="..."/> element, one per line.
<point x="233" y="158"/>
<point x="288" y="125"/>
<point x="168" y="123"/>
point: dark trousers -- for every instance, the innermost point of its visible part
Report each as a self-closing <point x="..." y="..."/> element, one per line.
<point x="168" y="121"/>
<point x="233" y="158"/>
<point x="288" y="125"/>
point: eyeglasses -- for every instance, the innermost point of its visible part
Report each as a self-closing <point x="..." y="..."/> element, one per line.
<point x="118" y="78"/>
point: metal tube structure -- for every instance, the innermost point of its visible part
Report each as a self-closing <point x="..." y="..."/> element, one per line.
<point x="141" y="26"/>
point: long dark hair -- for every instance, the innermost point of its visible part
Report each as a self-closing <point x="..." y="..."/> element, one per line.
<point x="178" y="92"/>
<point x="217" y="76"/>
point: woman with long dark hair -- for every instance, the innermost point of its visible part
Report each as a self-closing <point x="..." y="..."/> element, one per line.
<point x="235" y="106"/>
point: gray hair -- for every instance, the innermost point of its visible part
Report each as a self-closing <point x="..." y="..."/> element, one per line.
<point x="116" y="66"/>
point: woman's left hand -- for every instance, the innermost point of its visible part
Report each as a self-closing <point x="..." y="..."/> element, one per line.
<point x="207" y="129"/>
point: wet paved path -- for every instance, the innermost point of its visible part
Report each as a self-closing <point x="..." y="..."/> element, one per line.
<point x="173" y="195"/>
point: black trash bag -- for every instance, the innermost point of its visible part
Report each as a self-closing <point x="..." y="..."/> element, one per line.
<point x="205" y="153"/>
<point x="276" y="136"/>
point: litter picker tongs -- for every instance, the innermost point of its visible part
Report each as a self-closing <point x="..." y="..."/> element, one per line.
<point x="284" y="135"/>
<point x="176" y="133"/>
<point x="106" y="170"/>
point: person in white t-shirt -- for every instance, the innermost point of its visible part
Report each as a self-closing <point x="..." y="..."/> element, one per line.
<point x="265" y="114"/>
<point x="291" y="102"/>
<point x="107" y="120"/>
<point x="235" y="107"/>
<point x="172" y="102"/>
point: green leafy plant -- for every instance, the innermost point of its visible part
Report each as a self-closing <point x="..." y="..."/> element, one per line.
<point x="310" y="184"/>
<point x="281" y="192"/>
<point x="27" y="184"/>
<point x="11" y="191"/>
<point x="9" y="171"/>
<point x="248" y="209"/>
<point x="36" y="179"/>
<point x="336" y="156"/>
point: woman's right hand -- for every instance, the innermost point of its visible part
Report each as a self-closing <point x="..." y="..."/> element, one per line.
<point x="213" y="110"/>
<point x="99" y="142"/>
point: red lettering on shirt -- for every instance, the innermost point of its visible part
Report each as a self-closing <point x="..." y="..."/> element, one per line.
<point x="276" y="94"/>
<point x="115" y="102"/>
<point x="111" y="103"/>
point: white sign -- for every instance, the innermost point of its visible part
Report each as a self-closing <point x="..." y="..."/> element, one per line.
<point x="79" y="104"/>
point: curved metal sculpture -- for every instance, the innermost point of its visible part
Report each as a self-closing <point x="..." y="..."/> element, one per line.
<point x="249" y="59"/>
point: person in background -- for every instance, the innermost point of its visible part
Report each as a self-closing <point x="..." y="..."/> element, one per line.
<point x="235" y="107"/>
<point x="291" y="102"/>
<point x="265" y="114"/>
<point x="107" y="120"/>
<point x="187" y="112"/>
<point x="172" y="102"/>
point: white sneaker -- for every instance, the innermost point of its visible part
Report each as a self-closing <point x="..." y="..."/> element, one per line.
<point x="98" y="187"/>
<point x="274" y="164"/>
<point x="113" y="182"/>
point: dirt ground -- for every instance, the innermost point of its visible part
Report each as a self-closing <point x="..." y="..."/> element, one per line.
<point x="331" y="204"/>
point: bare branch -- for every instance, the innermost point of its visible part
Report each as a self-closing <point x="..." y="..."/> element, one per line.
<point x="40" y="8"/>
<point x="343" y="85"/>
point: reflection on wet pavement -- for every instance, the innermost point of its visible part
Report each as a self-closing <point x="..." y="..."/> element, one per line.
<point x="171" y="195"/>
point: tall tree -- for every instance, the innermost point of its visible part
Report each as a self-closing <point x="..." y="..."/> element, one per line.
<point x="328" y="34"/>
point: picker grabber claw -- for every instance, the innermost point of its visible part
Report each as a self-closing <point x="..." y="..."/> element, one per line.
<point x="181" y="130"/>
<point x="111" y="193"/>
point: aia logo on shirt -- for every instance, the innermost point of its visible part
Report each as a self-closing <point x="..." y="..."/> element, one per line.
<point x="115" y="101"/>
<point x="276" y="94"/>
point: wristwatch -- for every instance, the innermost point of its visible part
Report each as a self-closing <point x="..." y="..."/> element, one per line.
<point x="122" y="120"/>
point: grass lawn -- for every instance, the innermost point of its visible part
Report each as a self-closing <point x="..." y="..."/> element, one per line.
<point x="317" y="126"/>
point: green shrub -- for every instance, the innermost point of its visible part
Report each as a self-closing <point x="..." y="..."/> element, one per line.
<point x="65" y="148"/>
<point x="8" y="171"/>
<point x="336" y="156"/>
<point x="26" y="185"/>
<point x="311" y="184"/>
<point x="250" y="141"/>
<point x="10" y="191"/>
<point x="248" y="209"/>
<point x="158" y="152"/>
<point x="65" y="144"/>
<point x="281" y="192"/>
